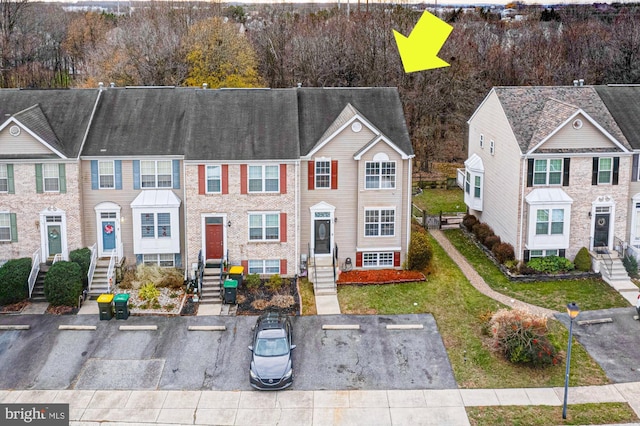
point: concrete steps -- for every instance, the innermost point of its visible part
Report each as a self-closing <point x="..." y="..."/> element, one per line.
<point x="37" y="295"/>
<point x="211" y="292"/>
<point x="321" y="273"/>
<point x="100" y="284"/>
<point x="616" y="276"/>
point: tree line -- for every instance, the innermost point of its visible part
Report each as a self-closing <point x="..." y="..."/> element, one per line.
<point x="189" y="44"/>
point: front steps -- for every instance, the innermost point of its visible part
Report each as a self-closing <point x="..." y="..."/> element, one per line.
<point x="100" y="284"/>
<point x="210" y="292"/>
<point x="614" y="273"/>
<point x="321" y="273"/>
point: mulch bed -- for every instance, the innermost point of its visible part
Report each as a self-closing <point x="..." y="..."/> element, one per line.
<point x="263" y="299"/>
<point x="379" y="276"/>
<point x="189" y="307"/>
<point x="14" y="307"/>
<point x="62" y="310"/>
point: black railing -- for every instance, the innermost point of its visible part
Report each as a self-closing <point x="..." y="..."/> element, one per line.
<point x="334" y="260"/>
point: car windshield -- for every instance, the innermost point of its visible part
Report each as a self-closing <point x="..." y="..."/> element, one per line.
<point x="271" y="347"/>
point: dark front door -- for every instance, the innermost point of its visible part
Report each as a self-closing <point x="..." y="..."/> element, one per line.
<point x="601" y="232"/>
<point x="54" y="239"/>
<point x="322" y="230"/>
<point x="214" y="241"/>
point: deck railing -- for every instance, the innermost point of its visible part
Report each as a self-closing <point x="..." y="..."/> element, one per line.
<point x="35" y="269"/>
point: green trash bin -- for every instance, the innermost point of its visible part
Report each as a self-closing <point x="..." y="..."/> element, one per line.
<point x="121" y="302"/>
<point x="230" y="291"/>
<point x="105" y="305"/>
<point x="237" y="273"/>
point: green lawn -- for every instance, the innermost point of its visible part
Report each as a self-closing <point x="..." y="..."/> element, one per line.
<point x="589" y="294"/>
<point x="436" y="200"/>
<point x="458" y="308"/>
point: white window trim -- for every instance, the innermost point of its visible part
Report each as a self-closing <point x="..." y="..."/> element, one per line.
<point x="481" y="141"/>
<point x="55" y="167"/>
<point x="544" y="253"/>
<point x="158" y="260"/>
<point x="156" y="225"/>
<point x="113" y="174"/>
<point x="492" y="147"/>
<point x="263" y="266"/>
<point x="550" y="222"/>
<point x="155" y="175"/>
<point x="316" y="174"/>
<point x="5" y="178"/>
<point x="8" y="217"/>
<point x="264" y="227"/>
<point x="477" y="186"/>
<point x="547" y="172"/>
<point x="206" y="179"/>
<point x="377" y="258"/>
<point x="610" y="182"/>
<point x="379" y="223"/>
<point x="380" y="162"/>
<point x="263" y="178"/>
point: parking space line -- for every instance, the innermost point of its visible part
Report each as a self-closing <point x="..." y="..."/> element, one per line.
<point x="138" y="327"/>
<point x="77" y="327"/>
<point x="15" y="327"/>
<point x="341" y="327"/>
<point x="405" y="326"/>
<point x="207" y="328"/>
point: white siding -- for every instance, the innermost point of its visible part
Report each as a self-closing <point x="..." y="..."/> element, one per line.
<point x="587" y="137"/>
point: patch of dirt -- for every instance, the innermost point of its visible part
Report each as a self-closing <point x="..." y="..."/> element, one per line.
<point x="189" y="307"/>
<point x="167" y="303"/>
<point x="14" y="307"/>
<point x="62" y="310"/>
<point x="379" y="276"/>
<point x="263" y="299"/>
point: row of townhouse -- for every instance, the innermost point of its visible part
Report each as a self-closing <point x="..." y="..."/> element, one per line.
<point x="258" y="177"/>
<point x="555" y="169"/>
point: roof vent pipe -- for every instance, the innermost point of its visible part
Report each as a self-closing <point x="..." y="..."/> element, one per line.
<point x="575" y="83"/>
<point x="112" y="85"/>
<point x="299" y="85"/>
<point x="204" y="85"/>
<point x="581" y="82"/>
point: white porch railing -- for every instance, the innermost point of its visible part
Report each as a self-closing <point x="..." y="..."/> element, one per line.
<point x="92" y="266"/>
<point x="460" y="178"/>
<point x="57" y="258"/>
<point x="111" y="269"/>
<point x="35" y="269"/>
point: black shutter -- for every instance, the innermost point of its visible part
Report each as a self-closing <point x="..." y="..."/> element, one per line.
<point x="634" y="171"/>
<point x="526" y="256"/>
<point x="616" y="167"/>
<point x="562" y="253"/>
<point x="565" y="172"/>
<point x="594" y="172"/>
<point x="530" y="172"/>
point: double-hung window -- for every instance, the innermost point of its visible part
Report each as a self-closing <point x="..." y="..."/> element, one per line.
<point x="605" y="169"/>
<point x="379" y="222"/>
<point x="549" y="221"/>
<point x="51" y="177"/>
<point x="377" y="259"/>
<point x="106" y="175"/>
<point x="264" y="178"/>
<point x="214" y="179"/>
<point x="323" y="174"/>
<point x="380" y="175"/>
<point x="264" y="226"/>
<point x="156" y="174"/>
<point x="4" y="178"/>
<point x="155" y="225"/>
<point x="547" y="172"/>
<point x="269" y="266"/>
<point x="477" y="186"/>
<point x="5" y="227"/>
<point x="163" y="260"/>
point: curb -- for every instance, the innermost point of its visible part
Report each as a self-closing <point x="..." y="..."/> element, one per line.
<point x="405" y="327"/>
<point x="207" y="328"/>
<point x="138" y="327"/>
<point x="77" y="327"/>
<point x="15" y="327"/>
<point x="340" y="327"/>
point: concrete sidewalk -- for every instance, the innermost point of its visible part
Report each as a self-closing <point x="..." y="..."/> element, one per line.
<point x="391" y="407"/>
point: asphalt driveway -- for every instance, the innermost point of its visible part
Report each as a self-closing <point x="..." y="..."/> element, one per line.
<point x="172" y="357"/>
<point x="614" y="345"/>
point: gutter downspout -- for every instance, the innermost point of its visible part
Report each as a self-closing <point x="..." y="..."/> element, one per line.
<point x="297" y="216"/>
<point x="409" y="201"/>
<point x="187" y="266"/>
<point x="522" y="188"/>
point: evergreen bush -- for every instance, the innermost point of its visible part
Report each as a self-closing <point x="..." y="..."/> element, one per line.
<point x="631" y="266"/>
<point x="420" y="252"/>
<point x="491" y="241"/>
<point x="83" y="258"/>
<point x="468" y="221"/>
<point x="14" y="276"/>
<point x="253" y="281"/>
<point x="275" y="282"/>
<point x="550" y="264"/>
<point x="582" y="261"/>
<point x="63" y="284"/>
<point x="503" y="252"/>
<point x="482" y="231"/>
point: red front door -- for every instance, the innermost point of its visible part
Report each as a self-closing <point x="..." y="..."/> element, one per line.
<point x="214" y="241"/>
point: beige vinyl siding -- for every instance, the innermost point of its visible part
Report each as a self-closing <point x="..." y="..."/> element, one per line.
<point x="345" y="199"/>
<point x="122" y="197"/>
<point x="23" y="144"/>
<point x="587" y="137"/>
<point x="381" y="198"/>
<point x="503" y="173"/>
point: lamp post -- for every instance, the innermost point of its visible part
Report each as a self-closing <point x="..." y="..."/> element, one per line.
<point x="573" y="310"/>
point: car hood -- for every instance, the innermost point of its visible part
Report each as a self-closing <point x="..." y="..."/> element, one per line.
<point x="270" y="367"/>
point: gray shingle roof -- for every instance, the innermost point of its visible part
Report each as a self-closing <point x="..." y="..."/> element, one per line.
<point x="623" y="103"/>
<point x="61" y="116"/>
<point x="531" y="110"/>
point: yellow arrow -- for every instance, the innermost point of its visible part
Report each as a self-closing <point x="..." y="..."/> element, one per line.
<point x="419" y="51"/>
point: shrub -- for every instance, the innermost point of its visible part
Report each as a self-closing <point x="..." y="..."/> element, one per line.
<point x="550" y="264"/>
<point x="420" y="252"/>
<point x="491" y="241"/>
<point x="83" y="258"/>
<point x="172" y="278"/>
<point x="582" y="261"/>
<point x="631" y="266"/>
<point x="13" y="280"/>
<point x="468" y="221"/>
<point x="482" y="231"/>
<point x="148" y="292"/>
<point x="503" y="252"/>
<point x="253" y="282"/>
<point x="275" y="282"/>
<point x="522" y="337"/>
<point x="63" y="284"/>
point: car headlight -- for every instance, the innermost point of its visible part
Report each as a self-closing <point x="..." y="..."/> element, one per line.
<point x="253" y="375"/>
<point x="288" y="374"/>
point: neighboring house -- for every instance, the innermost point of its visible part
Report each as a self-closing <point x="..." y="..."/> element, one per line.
<point x="623" y="103"/>
<point x="256" y="177"/>
<point x="549" y="170"/>
<point x="41" y="137"/>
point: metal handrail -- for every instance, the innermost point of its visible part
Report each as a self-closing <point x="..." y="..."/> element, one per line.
<point x="92" y="265"/>
<point x="35" y="269"/>
<point x="57" y="258"/>
<point x="607" y="261"/>
<point x="620" y="246"/>
<point x="315" y="266"/>
<point x="200" y="272"/>
<point x="334" y="258"/>
<point x="111" y="269"/>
